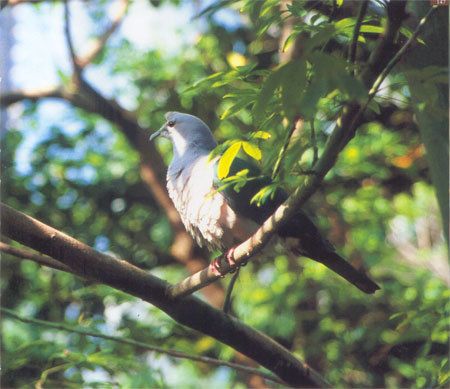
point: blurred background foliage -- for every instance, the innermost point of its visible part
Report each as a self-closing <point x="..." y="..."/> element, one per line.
<point x="253" y="66"/>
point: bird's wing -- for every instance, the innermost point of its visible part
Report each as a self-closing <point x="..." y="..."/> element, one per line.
<point x="310" y="242"/>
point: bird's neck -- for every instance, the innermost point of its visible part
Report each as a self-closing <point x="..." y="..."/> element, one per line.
<point x="184" y="156"/>
<point x="184" y="149"/>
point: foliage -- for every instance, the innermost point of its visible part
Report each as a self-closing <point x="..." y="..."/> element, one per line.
<point x="377" y="205"/>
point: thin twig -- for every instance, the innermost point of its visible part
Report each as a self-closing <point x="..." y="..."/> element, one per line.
<point x="314" y="144"/>
<point x="400" y="53"/>
<point x="69" y="41"/>
<point x="354" y="44"/>
<point x="32" y="256"/>
<point x="281" y="155"/>
<point x="227" y="303"/>
<point x="143" y="345"/>
<point x="344" y="131"/>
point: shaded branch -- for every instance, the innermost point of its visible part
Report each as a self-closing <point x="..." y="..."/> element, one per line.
<point x="314" y="144"/>
<point x="353" y="46"/>
<point x="38" y="258"/>
<point x="189" y="311"/>
<point x="10" y="98"/>
<point x="142" y="345"/>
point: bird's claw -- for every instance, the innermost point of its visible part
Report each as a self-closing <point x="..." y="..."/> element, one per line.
<point x="230" y="258"/>
<point x="215" y="268"/>
<point x="215" y="264"/>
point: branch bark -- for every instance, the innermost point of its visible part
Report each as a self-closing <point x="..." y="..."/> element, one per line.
<point x="189" y="311"/>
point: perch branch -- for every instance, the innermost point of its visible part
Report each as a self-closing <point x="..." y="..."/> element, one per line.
<point x="189" y="311"/>
<point x="344" y="131"/>
<point x="142" y="345"/>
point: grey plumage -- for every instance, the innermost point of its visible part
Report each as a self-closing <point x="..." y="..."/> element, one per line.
<point x="221" y="220"/>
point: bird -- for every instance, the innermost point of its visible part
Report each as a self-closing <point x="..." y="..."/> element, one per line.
<point x="221" y="219"/>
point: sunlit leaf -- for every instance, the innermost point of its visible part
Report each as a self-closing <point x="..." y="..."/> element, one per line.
<point x="252" y="150"/>
<point x="261" y="135"/>
<point x="227" y="159"/>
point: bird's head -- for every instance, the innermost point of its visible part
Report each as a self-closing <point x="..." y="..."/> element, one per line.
<point x="187" y="133"/>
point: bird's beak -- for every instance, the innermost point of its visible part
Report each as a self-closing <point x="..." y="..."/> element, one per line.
<point x="162" y="131"/>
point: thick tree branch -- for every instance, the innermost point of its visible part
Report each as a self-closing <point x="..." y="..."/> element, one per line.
<point x="189" y="311"/>
<point x="344" y="131"/>
<point x="142" y="345"/>
<point x="9" y="98"/>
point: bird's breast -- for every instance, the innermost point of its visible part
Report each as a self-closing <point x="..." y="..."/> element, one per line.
<point x="203" y="210"/>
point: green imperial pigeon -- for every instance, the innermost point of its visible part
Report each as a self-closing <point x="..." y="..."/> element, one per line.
<point x="223" y="219"/>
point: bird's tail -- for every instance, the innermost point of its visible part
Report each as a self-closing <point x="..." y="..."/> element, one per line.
<point x="339" y="265"/>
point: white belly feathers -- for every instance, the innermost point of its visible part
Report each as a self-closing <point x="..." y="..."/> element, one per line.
<point x="203" y="210"/>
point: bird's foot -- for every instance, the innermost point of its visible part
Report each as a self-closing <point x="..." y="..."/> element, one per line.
<point x="231" y="260"/>
<point x="216" y="268"/>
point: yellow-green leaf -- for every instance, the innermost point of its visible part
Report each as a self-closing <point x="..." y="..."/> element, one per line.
<point x="339" y="2"/>
<point x="252" y="150"/>
<point x="261" y="135"/>
<point x="366" y="28"/>
<point x="227" y="159"/>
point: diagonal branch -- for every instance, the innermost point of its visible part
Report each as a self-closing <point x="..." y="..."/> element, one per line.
<point x="189" y="311"/>
<point x="99" y="43"/>
<point x="142" y="345"/>
<point x="344" y="131"/>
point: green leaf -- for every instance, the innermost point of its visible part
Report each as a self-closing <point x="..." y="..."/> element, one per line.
<point x="294" y="82"/>
<point x="374" y="106"/>
<point x="369" y="29"/>
<point x="267" y="92"/>
<point x="263" y="195"/>
<point x="252" y="150"/>
<point x="227" y="159"/>
<point x="261" y="135"/>
<point x="344" y="24"/>
<point x="339" y="3"/>
<point x="408" y="34"/>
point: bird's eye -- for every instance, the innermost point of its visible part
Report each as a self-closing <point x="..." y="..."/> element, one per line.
<point x="171" y="123"/>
